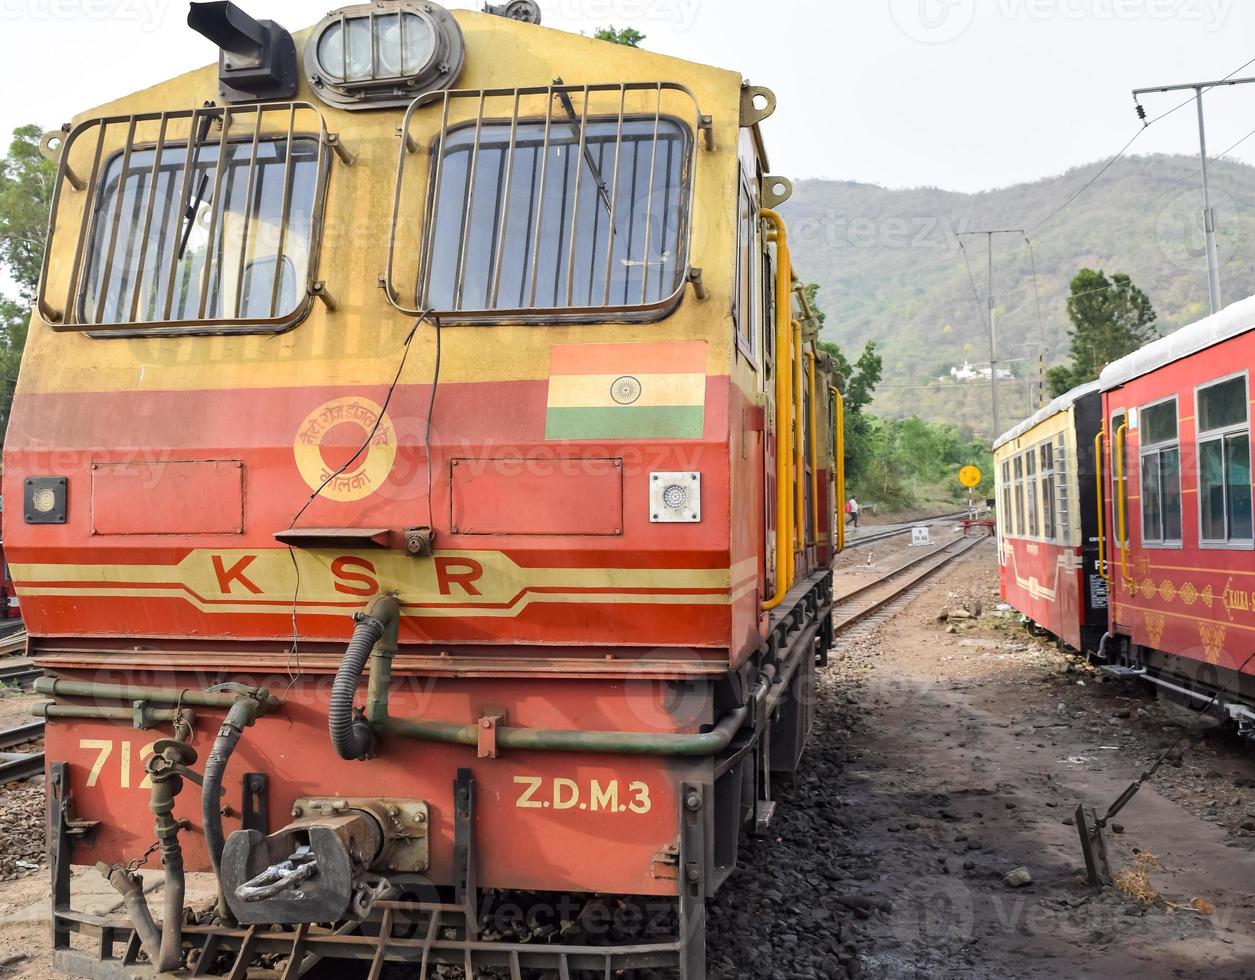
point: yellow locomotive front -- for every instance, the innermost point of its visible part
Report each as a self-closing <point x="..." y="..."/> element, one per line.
<point x="463" y="342"/>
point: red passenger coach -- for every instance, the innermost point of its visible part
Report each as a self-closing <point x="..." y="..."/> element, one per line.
<point x="1178" y="512"/>
<point x="1048" y="556"/>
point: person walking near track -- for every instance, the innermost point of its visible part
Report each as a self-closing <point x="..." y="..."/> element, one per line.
<point x="851" y="510"/>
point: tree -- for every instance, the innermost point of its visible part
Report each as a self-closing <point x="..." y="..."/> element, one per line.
<point x="26" y="182"/>
<point x="1110" y="317"/>
<point x="629" y="36"/>
<point x="857" y="382"/>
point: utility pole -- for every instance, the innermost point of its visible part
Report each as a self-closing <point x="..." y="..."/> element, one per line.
<point x="993" y="344"/>
<point x="1209" y="213"/>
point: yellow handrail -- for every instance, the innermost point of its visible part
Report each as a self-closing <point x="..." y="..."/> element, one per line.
<point x="1121" y="492"/>
<point x="784" y="402"/>
<point x="1102" y="517"/>
<point x="838" y="461"/>
<point x="799" y="450"/>
<point x="813" y="439"/>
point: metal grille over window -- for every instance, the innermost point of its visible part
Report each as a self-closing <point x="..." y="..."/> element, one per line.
<point x="568" y="203"/>
<point x="205" y="220"/>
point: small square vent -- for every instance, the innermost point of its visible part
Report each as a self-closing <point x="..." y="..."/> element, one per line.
<point x="675" y="498"/>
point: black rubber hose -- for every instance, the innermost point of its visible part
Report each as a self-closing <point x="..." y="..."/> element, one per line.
<point x="350" y="733"/>
<point x="238" y="718"/>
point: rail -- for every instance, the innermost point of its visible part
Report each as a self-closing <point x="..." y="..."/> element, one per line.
<point x="784" y="398"/>
<point x="21" y="765"/>
<point x="1102" y="530"/>
<point x="838" y="461"/>
<point x="1122" y="530"/>
<point x="887" y="588"/>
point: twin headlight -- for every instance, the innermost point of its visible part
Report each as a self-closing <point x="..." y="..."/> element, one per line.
<point x="377" y="55"/>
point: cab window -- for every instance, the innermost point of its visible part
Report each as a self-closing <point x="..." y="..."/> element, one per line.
<point x="558" y="215"/>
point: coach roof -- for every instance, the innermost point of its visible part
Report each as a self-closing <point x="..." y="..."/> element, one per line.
<point x="1230" y="322"/>
<point x="1060" y="404"/>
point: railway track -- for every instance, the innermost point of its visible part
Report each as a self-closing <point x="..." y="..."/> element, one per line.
<point x="867" y="600"/>
<point x="21" y="765"/>
<point x="13" y="643"/>
<point x="897" y="530"/>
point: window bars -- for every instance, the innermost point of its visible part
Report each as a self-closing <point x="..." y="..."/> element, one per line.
<point x="554" y="204"/>
<point x="195" y="221"/>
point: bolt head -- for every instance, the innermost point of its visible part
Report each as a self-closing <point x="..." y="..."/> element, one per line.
<point x="297" y="811"/>
<point x="693" y="802"/>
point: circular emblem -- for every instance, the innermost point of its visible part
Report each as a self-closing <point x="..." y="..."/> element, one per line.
<point x="970" y="477"/>
<point x="330" y="436"/>
<point x="625" y="390"/>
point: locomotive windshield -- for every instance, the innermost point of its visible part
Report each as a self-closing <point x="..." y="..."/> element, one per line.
<point x="558" y="215"/>
<point x="173" y="242"/>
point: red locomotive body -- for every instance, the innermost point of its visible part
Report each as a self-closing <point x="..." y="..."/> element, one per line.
<point x="578" y="543"/>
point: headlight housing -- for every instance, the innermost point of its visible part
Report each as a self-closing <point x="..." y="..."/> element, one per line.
<point x="384" y="55"/>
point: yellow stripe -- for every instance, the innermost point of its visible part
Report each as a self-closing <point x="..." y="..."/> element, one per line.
<point x="271" y="571"/>
<point x="459" y="606"/>
<point x="657" y="390"/>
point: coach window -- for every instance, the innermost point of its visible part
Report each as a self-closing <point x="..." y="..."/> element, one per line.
<point x="1019" y="495"/>
<point x="1047" y="491"/>
<point x="1160" y="455"/>
<point x="1030" y="461"/>
<point x="1224" y="464"/>
<point x="1006" y="496"/>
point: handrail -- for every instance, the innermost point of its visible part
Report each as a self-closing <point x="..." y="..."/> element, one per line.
<point x="838" y="461"/>
<point x="813" y="439"/>
<point x="1102" y="530"/>
<point x="1121" y="492"/>
<point x="799" y="450"/>
<point x="784" y="401"/>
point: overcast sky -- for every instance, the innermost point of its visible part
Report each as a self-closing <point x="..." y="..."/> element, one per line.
<point x="960" y="94"/>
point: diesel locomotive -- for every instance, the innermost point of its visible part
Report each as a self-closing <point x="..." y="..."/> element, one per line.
<point x="422" y="480"/>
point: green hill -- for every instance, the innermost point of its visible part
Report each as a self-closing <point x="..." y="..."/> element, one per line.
<point x="890" y="269"/>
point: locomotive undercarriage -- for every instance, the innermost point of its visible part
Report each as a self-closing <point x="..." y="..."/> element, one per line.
<point x="409" y="922"/>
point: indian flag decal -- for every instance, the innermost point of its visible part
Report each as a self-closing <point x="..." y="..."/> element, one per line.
<point x="627" y="391"/>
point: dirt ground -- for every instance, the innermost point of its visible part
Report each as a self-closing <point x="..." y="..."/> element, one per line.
<point x="948" y="754"/>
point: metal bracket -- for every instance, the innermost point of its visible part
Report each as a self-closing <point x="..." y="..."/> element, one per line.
<point x="693" y="884"/>
<point x="319" y="290"/>
<point x="341" y="151"/>
<point x="488" y="723"/>
<point x="774" y="190"/>
<point x="757" y="104"/>
<point x="1093" y="847"/>
<point x="411" y="145"/>
<point x="707" y="124"/>
<point x="420" y="542"/>
<point x="465" y="881"/>
<point x="255" y="805"/>
<point x="699" y="288"/>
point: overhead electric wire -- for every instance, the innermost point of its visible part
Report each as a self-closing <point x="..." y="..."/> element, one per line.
<point x="1146" y="124"/>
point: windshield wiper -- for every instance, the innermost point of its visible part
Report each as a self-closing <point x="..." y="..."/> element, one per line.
<point x="189" y="216"/>
<point x="593" y="169"/>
